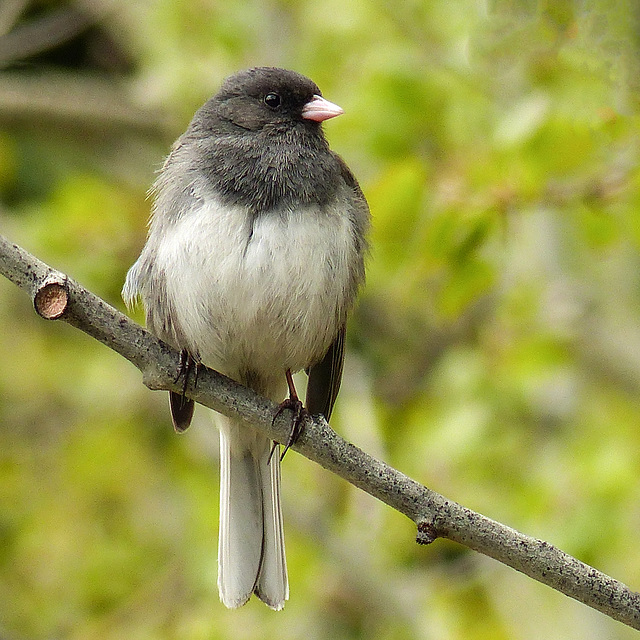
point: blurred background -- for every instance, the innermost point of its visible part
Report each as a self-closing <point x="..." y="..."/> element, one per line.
<point x="494" y="355"/>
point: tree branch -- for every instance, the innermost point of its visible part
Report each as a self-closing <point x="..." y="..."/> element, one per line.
<point x="57" y="296"/>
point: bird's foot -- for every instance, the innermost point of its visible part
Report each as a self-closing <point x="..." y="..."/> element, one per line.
<point x="299" y="415"/>
<point x="188" y="364"/>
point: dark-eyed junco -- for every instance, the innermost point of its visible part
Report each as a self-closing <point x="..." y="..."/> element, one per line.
<point x="254" y="256"/>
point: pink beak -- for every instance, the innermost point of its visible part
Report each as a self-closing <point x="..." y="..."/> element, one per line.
<point x="319" y="109"/>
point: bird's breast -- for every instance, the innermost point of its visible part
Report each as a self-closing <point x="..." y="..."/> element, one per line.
<point x="259" y="293"/>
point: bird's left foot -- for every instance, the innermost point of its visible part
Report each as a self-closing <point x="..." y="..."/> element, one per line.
<point x="188" y="365"/>
<point x="299" y="415"/>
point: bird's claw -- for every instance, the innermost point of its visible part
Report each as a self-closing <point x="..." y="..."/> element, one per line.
<point x="299" y="415"/>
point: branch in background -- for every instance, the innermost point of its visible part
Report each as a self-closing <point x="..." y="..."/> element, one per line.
<point x="76" y="99"/>
<point x="56" y="296"/>
<point x="10" y="11"/>
<point x="43" y="33"/>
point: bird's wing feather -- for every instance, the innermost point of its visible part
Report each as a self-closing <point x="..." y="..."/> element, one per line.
<point x="325" y="378"/>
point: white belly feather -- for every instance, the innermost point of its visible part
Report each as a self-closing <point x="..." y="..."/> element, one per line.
<point x="261" y="297"/>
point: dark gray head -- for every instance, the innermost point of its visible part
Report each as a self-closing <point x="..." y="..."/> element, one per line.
<point x="268" y="97"/>
<point x="259" y="141"/>
<point x="264" y="96"/>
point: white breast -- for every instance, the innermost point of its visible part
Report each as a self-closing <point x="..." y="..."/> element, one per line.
<point x="261" y="295"/>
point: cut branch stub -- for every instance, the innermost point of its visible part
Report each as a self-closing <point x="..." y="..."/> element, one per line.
<point x="426" y="533"/>
<point x="52" y="297"/>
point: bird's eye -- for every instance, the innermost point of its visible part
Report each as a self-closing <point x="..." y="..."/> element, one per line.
<point x="272" y="100"/>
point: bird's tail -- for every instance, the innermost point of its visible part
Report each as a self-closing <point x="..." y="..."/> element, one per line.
<point x="251" y="555"/>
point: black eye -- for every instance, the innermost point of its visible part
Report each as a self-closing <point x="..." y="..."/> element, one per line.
<point x="272" y="100"/>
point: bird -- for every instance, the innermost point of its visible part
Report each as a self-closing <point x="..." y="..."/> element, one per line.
<point x="254" y="257"/>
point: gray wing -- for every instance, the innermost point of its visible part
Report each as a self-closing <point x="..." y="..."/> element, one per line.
<point x="326" y="375"/>
<point x="325" y="378"/>
<point x="181" y="411"/>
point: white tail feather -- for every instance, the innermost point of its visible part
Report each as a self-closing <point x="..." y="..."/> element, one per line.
<point x="251" y="555"/>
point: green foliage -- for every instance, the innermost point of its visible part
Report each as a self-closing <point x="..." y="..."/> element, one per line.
<point x="494" y="355"/>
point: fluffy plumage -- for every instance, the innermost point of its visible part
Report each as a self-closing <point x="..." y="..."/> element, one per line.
<point x="253" y="260"/>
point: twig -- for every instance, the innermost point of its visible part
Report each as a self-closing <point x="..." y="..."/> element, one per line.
<point x="38" y="35"/>
<point x="76" y="100"/>
<point x="56" y="296"/>
<point x="10" y="11"/>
